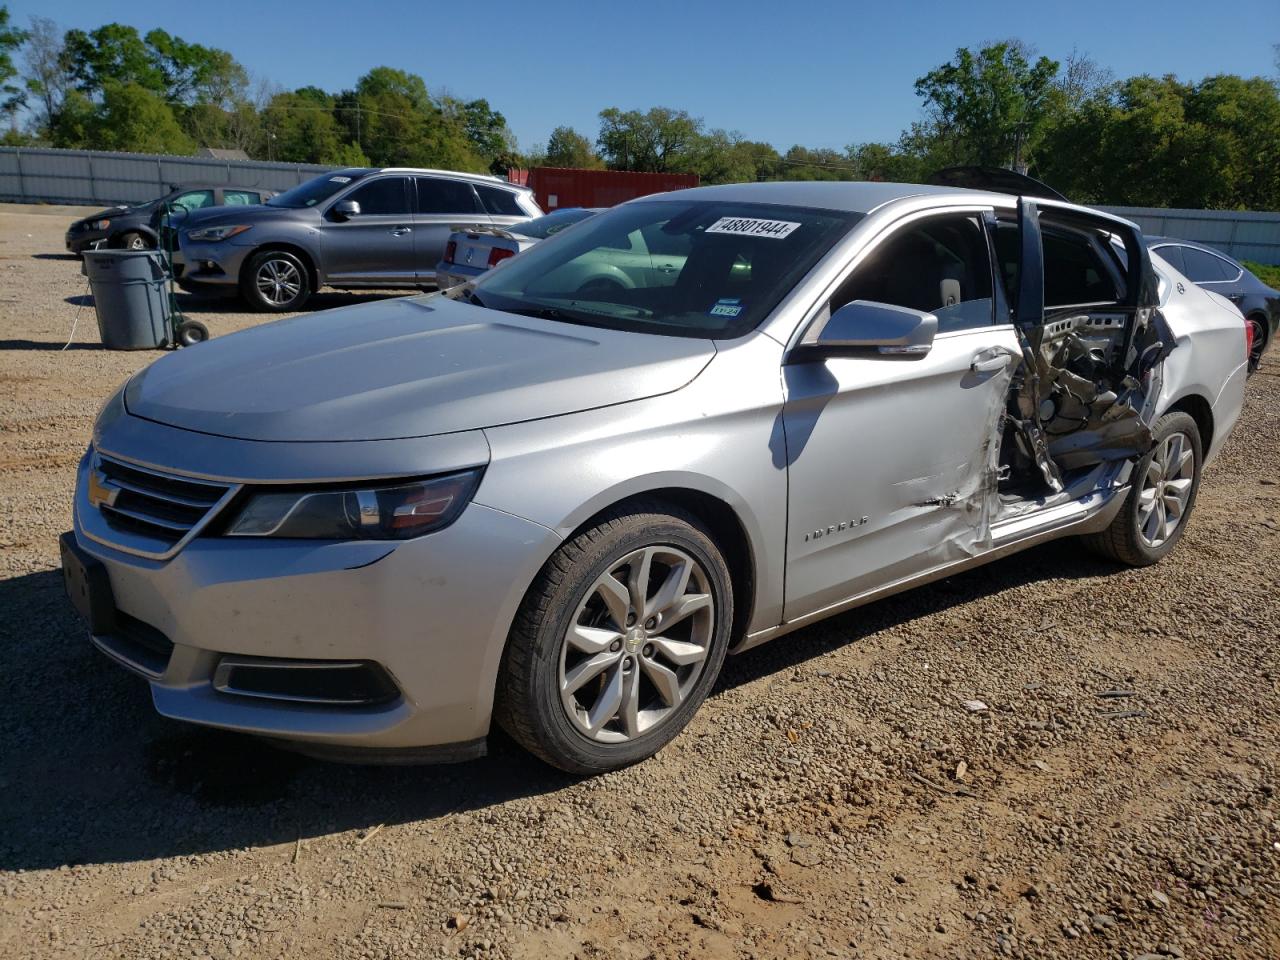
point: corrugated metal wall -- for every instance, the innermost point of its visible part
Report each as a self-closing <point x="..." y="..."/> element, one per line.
<point x="1243" y="234"/>
<point x="45" y="175"/>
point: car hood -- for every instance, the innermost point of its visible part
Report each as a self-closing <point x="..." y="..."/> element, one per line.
<point x="250" y="213"/>
<point x="109" y="213"/>
<point x="410" y="367"/>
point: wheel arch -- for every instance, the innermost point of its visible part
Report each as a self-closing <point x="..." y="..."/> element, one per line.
<point x="302" y="253"/>
<point x="141" y="228"/>
<point x="1201" y="411"/>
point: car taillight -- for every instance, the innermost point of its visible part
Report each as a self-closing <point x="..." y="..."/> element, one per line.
<point x="450" y="251"/>
<point x="498" y="254"/>
<point x="1249" y="331"/>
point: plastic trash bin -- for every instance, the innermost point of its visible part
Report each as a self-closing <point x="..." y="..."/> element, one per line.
<point x="130" y="296"/>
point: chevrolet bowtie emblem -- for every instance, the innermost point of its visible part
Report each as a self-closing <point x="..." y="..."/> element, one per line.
<point x="101" y="491"/>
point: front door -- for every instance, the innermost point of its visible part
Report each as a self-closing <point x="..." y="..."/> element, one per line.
<point x="893" y="459"/>
<point x="375" y="245"/>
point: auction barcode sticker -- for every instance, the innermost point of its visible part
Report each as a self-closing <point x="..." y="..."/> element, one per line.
<point x="751" y="227"/>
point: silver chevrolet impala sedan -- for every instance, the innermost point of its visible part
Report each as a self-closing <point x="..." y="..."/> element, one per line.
<point x="558" y="496"/>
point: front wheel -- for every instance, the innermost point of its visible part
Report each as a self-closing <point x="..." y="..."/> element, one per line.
<point x="617" y="642"/>
<point x="132" y="241"/>
<point x="1160" y="501"/>
<point x="275" y="281"/>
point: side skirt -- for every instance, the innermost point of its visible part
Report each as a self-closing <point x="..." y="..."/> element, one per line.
<point x="1070" y="519"/>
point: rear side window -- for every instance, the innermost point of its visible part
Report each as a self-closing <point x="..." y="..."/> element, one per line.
<point x="939" y="266"/>
<point x="240" y="198"/>
<point x="1172" y="255"/>
<point x="1205" y="267"/>
<point x="499" y="202"/>
<point x="438" y="195"/>
<point x="384" y="196"/>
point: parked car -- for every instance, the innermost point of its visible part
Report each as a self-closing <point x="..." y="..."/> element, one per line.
<point x="472" y="250"/>
<point x="1214" y="270"/>
<point x="352" y="228"/>
<point x="137" y="227"/>
<point x="375" y="530"/>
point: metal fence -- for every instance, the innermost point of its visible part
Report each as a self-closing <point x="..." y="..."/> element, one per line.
<point x="100" y="177"/>
<point x="1243" y="234"/>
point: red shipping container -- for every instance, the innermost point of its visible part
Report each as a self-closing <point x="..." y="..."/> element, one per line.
<point x="556" y="188"/>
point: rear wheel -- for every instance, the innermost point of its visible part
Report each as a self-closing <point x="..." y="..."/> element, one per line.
<point x="1259" y="340"/>
<point x="1161" y="498"/>
<point x="275" y="281"/>
<point x="617" y="642"/>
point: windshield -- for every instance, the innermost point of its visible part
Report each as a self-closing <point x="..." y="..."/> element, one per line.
<point x="681" y="268"/>
<point x="540" y="228"/>
<point x="318" y="189"/>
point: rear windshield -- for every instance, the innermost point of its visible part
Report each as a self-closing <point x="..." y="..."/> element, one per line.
<point x="540" y="228"/>
<point x="318" y="189"/>
<point x="682" y="268"/>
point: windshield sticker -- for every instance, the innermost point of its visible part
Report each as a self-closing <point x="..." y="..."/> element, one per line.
<point x="751" y="227"/>
<point x="726" y="307"/>
<point x="339" y="179"/>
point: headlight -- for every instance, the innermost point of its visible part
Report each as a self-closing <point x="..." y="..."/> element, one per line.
<point x="99" y="224"/>
<point x="218" y="233"/>
<point x="397" y="512"/>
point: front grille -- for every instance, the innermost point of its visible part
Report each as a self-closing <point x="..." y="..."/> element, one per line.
<point x="158" y="506"/>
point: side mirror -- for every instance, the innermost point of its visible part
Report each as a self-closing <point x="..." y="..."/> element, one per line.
<point x="346" y="209"/>
<point x="879" y="328"/>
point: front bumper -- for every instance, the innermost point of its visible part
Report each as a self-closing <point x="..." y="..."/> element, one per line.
<point x="212" y="264"/>
<point x="79" y="241"/>
<point x="433" y="613"/>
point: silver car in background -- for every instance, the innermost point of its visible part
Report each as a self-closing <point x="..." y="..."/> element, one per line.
<point x="353" y="228"/>
<point x="473" y="249"/>
<point x="558" y="505"/>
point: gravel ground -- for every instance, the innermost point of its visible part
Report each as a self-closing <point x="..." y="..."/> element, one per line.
<point x="834" y="797"/>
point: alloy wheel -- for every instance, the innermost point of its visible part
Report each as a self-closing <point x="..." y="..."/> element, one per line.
<point x="137" y="243"/>
<point x="278" y="281"/>
<point x="637" y="644"/>
<point x="1166" y="489"/>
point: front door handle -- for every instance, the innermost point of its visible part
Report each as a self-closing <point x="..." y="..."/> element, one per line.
<point x="401" y="231"/>
<point x="982" y="364"/>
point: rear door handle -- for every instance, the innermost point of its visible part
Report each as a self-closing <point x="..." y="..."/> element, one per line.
<point x="982" y="364"/>
<point x="401" y="231"/>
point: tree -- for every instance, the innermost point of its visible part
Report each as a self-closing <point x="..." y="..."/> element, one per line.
<point x="47" y="70"/>
<point x="301" y="127"/>
<point x="113" y="53"/>
<point x="11" y="39"/>
<point x="566" y="147"/>
<point x="133" y="117"/>
<point x="658" y="141"/>
<point x="993" y="105"/>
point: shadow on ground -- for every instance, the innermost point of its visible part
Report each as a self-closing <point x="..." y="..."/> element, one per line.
<point x="92" y="774"/>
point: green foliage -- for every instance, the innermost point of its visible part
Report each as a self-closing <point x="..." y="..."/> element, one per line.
<point x="135" y="118"/>
<point x="659" y="141"/>
<point x="11" y="39"/>
<point x="991" y="105"/>
<point x="1268" y="274"/>
<point x="566" y="147"/>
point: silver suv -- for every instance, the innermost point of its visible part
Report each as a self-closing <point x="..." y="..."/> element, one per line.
<point x="359" y="227"/>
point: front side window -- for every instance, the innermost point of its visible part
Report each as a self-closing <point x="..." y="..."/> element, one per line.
<point x="385" y="196"/>
<point x="681" y="268"/>
<point x="193" y="200"/>
<point x="438" y="195"/>
<point x="939" y="266"/>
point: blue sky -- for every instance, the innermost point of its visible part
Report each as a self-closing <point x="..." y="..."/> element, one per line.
<point x="816" y="73"/>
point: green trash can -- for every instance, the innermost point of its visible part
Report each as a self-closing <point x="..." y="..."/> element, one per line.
<point x="131" y="298"/>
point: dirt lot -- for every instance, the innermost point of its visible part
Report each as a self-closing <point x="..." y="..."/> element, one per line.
<point x="834" y="798"/>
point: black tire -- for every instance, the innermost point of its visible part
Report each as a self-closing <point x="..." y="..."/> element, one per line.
<point x="131" y="240"/>
<point x="528" y="701"/>
<point x="1123" y="540"/>
<point x="275" y="281"/>
<point x="191" y="332"/>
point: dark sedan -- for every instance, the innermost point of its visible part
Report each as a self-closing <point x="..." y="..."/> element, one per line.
<point x="1214" y="270"/>
<point x="136" y="227"/>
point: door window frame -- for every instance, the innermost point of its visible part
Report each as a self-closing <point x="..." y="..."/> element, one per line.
<point x="1208" y="253"/>
<point x="349" y="194"/>
<point x="817" y="310"/>
<point x="476" y="200"/>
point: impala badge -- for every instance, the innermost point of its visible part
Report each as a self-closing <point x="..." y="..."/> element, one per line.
<point x="840" y="527"/>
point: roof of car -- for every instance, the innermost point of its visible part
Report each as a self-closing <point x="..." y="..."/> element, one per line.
<point x="854" y="197"/>
<point x="1158" y="241"/>
<point x="486" y="177"/>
